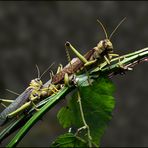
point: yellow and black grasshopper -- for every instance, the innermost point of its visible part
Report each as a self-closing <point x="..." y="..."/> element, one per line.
<point x="33" y="93"/>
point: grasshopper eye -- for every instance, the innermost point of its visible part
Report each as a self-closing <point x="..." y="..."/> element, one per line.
<point x="104" y="43"/>
<point x="38" y="79"/>
<point x="107" y="44"/>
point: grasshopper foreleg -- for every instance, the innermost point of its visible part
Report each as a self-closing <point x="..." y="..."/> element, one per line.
<point x="60" y="68"/>
<point x="51" y="74"/>
<point x="113" y="54"/>
<point x="106" y="59"/>
<point x="53" y="88"/>
<point x="36" y="108"/>
<point x="34" y="98"/>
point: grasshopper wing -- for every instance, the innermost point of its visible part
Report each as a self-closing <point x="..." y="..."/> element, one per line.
<point x="19" y="101"/>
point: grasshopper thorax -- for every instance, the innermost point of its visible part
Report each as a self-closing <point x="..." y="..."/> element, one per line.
<point x="36" y="83"/>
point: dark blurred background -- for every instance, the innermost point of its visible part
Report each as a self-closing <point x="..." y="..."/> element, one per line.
<point x="35" y="32"/>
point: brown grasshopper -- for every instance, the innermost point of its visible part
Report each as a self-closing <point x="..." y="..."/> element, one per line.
<point x="102" y="52"/>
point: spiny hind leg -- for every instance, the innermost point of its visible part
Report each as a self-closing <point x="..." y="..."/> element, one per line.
<point x="20" y="109"/>
<point x="23" y="107"/>
<point x="79" y="55"/>
<point x="82" y="58"/>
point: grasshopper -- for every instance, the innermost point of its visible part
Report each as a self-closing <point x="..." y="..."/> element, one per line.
<point x="34" y="92"/>
<point x="100" y="53"/>
<point x="20" y="100"/>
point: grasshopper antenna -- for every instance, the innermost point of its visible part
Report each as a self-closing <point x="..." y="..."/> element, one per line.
<point x="46" y="70"/>
<point x="12" y="92"/>
<point x="38" y="70"/>
<point x="105" y="32"/>
<point x="117" y="27"/>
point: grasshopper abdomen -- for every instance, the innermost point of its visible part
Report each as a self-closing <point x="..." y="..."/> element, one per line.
<point x="20" y="100"/>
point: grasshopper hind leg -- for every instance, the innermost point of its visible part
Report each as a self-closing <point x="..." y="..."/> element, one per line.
<point x="79" y="55"/>
<point x="82" y="58"/>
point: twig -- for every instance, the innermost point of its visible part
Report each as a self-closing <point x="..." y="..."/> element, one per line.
<point x="127" y="61"/>
<point x="84" y="121"/>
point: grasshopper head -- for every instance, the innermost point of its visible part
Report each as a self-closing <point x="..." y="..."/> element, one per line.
<point x="105" y="45"/>
<point x="36" y="83"/>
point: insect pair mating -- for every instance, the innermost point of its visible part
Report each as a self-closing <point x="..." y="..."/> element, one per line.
<point x="36" y="90"/>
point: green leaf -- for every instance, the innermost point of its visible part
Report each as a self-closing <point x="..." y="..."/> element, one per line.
<point x="69" y="140"/>
<point x="97" y="102"/>
<point x="63" y="115"/>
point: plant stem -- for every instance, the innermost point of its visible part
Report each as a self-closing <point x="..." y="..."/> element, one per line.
<point x="128" y="60"/>
<point x="36" y="117"/>
<point x="84" y="121"/>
